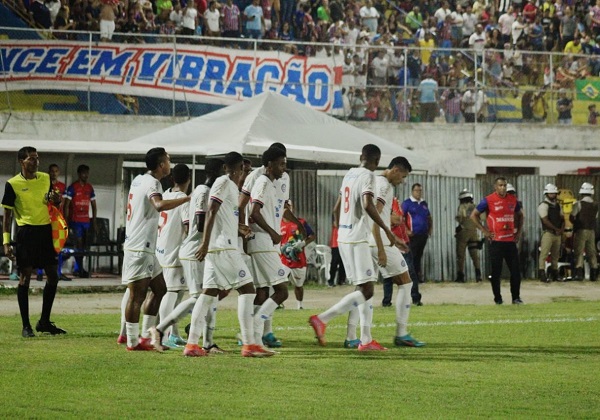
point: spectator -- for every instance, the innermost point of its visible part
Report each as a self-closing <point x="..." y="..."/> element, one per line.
<point x="477" y="42"/>
<point x="420" y="227"/>
<point x="468" y="104"/>
<point x="552" y="218"/>
<point x="41" y="14"/>
<point x="107" y="21"/>
<point x="428" y="98"/>
<point x="231" y="20"/>
<point x="518" y="29"/>
<point x="564" y="106"/>
<point x="504" y="225"/>
<point x="414" y="19"/>
<point x="53" y="7"/>
<point x="539" y="107"/>
<point x="573" y="46"/>
<point x="190" y="19"/>
<point x="466" y="237"/>
<point x="427" y="45"/>
<point x="442" y="13"/>
<point x="530" y="11"/>
<point x="369" y="16"/>
<point x="358" y="106"/>
<point x="568" y="30"/>
<point x="593" y="115"/>
<point x="323" y="12"/>
<point x="212" y="20"/>
<point x="451" y="100"/>
<point x="595" y="19"/>
<point x="176" y="15"/>
<point x="457" y="26"/>
<point x="79" y="198"/>
<point x="505" y="24"/>
<point x="469" y="21"/>
<point x="584" y="217"/>
<point x="61" y="23"/>
<point x="414" y="68"/>
<point x="379" y="68"/>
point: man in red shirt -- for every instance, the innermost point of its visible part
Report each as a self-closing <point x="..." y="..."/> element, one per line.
<point x="504" y="224"/>
<point x="78" y="199"/>
<point x="293" y="255"/>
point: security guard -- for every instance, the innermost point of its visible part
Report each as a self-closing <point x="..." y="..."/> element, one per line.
<point x="466" y="237"/>
<point x="550" y="212"/>
<point x="584" y="217"/>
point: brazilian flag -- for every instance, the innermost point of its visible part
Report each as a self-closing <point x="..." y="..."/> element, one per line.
<point x="588" y="89"/>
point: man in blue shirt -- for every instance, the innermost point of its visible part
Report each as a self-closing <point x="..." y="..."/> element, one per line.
<point x="420" y="225"/>
<point x="428" y="98"/>
<point x="254" y="20"/>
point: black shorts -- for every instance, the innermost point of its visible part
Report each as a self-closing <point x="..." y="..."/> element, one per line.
<point x="34" y="247"/>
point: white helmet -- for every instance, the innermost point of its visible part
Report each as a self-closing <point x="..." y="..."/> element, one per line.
<point x="510" y="188"/>
<point x="550" y="189"/>
<point x="465" y="194"/>
<point x="586" y="188"/>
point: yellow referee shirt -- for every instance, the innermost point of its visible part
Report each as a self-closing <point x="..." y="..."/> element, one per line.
<point x="27" y="199"/>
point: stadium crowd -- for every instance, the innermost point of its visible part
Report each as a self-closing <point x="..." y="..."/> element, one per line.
<point x="380" y="43"/>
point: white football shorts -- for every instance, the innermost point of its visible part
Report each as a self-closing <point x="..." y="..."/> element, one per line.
<point x="174" y="278"/>
<point x="298" y="276"/>
<point x="395" y="262"/>
<point x="225" y="270"/>
<point x="138" y="265"/>
<point x="357" y="262"/>
<point x="268" y="270"/>
<point x="193" y="272"/>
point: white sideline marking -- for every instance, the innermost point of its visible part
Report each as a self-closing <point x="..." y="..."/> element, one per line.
<point x="442" y="323"/>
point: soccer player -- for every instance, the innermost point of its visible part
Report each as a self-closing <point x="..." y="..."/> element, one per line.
<point x="141" y="270"/>
<point x="224" y="267"/>
<point x="26" y="196"/>
<point x="192" y="268"/>
<point x="263" y="244"/>
<point x="388" y="257"/>
<point x="282" y="191"/>
<point x="296" y="260"/>
<point x="79" y="198"/>
<point x="172" y="229"/>
<point x="353" y="209"/>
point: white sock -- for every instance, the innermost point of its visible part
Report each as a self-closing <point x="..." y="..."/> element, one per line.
<point x="353" y="317"/>
<point x="351" y="300"/>
<point x="268" y="325"/>
<point x="245" y="317"/>
<point x="167" y="304"/>
<point x="209" y="327"/>
<point x="147" y="322"/>
<point x="366" y="320"/>
<point x="199" y="317"/>
<point x="300" y="304"/>
<point x="403" y="301"/>
<point x="175" y="326"/>
<point x="133" y="333"/>
<point x="179" y="312"/>
<point x="264" y="313"/>
<point x="123" y="307"/>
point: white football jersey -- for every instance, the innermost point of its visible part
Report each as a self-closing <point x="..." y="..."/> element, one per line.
<point x="198" y="205"/>
<point x="225" y="230"/>
<point x="354" y="224"/>
<point x="263" y="193"/>
<point x="141" y="226"/>
<point x="384" y="193"/>
<point x="171" y="231"/>
<point x="282" y="191"/>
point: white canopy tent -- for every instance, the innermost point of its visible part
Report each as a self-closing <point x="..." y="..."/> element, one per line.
<point x="251" y="126"/>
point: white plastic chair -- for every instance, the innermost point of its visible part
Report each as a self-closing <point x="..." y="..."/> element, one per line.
<point x="323" y="262"/>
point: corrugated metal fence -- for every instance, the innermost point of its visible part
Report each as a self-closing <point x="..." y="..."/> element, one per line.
<point x="314" y="194"/>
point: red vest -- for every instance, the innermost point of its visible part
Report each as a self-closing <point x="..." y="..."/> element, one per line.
<point x="501" y="216"/>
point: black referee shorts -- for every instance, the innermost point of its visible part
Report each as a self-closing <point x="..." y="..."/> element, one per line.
<point x="34" y="247"/>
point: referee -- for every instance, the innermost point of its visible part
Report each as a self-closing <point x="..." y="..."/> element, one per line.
<point x="26" y="195"/>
